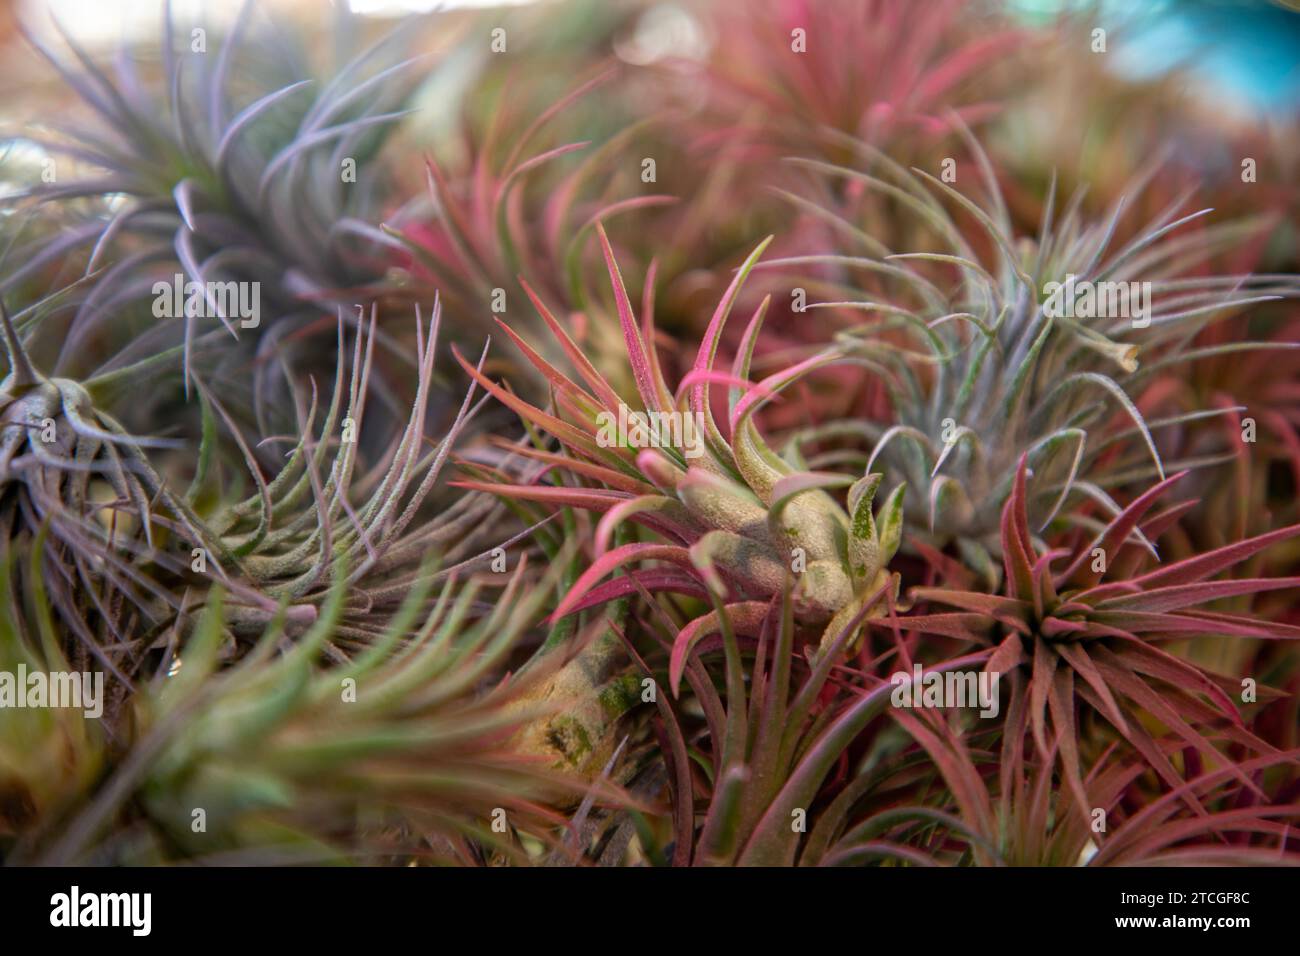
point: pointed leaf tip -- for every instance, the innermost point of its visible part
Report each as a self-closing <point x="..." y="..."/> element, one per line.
<point x="20" y="366"/>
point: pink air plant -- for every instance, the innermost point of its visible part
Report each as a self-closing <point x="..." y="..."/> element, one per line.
<point x="738" y="520"/>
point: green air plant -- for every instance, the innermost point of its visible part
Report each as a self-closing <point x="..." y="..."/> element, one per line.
<point x="284" y="541"/>
<point x="1048" y="350"/>
<point x="737" y="517"/>
<point x="50" y="757"/>
<point x="399" y="755"/>
<point x="197" y="178"/>
<point x="1088" y="636"/>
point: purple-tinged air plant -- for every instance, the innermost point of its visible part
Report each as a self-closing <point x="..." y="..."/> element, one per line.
<point x="516" y="209"/>
<point x="77" y="488"/>
<point x="778" y="725"/>
<point x="192" y="178"/>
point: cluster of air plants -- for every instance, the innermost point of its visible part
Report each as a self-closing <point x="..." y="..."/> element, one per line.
<point x="699" y="459"/>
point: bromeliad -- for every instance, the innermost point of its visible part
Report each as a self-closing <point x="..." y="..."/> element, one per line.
<point x="1089" y="634"/>
<point x="739" y="519"/>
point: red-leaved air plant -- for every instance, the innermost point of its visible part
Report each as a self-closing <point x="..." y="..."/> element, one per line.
<point x="1090" y="633"/>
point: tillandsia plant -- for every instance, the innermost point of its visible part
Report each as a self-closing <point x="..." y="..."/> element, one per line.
<point x="127" y="556"/>
<point x="398" y="755"/>
<point x="327" y="504"/>
<point x="1130" y="120"/>
<point x="858" y="78"/>
<point x="992" y="346"/>
<point x="781" y="729"/>
<point x="1090" y="634"/>
<point x="1001" y="808"/>
<point x="77" y="490"/>
<point x="491" y="220"/>
<point x="1251" y="379"/>
<point x="522" y="202"/>
<point x="51" y="758"/>
<point x="736" y="516"/>
<point x="250" y="198"/>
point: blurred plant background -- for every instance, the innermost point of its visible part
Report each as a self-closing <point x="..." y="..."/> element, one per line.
<point x="364" y="581"/>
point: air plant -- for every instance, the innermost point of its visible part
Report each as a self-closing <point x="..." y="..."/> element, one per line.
<point x="398" y="752"/>
<point x="1237" y="829"/>
<point x="73" y="479"/>
<point x="326" y="505"/>
<point x="287" y="540"/>
<point x="778" y="726"/>
<point x="114" y="519"/>
<point x="1089" y="636"/>
<point x="737" y="517"/>
<point x="783" y="78"/>
<point x="522" y="202"/>
<point x="216" y="186"/>
<point x="1250" y="378"/>
<point x="1001" y="809"/>
<point x="1038" y="138"/>
<point x="50" y="757"/>
<point x="791" y="73"/>
<point x="979" y="364"/>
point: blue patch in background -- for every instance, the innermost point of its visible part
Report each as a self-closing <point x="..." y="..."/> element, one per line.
<point x="1247" y="51"/>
